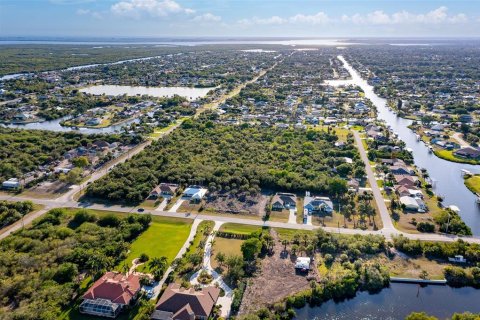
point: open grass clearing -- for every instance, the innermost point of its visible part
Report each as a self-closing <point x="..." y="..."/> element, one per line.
<point x="226" y="246"/>
<point x="473" y="183"/>
<point x="239" y="228"/>
<point x="163" y="238"/>
<point x="281" y="216"/>
<point x="449" y="156"/>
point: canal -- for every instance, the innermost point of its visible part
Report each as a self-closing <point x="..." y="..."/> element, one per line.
<point x="396" y="302"/>
<point x="446" y="175"/>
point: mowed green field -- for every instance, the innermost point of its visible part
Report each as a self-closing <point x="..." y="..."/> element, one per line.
<point x="164" y="237"/>
<point x="473" y="183"/>
<point x="239" y="228"/>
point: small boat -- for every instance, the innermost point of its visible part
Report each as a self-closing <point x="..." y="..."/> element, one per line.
<point x="465" y="172"/>
<point x="418" y="137"/>
<point x="478" y="199"/>
<point x="454" y="208"/>
<point x="430" y="148"/>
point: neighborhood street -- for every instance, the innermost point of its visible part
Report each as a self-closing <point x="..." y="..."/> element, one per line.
<point x="387" y="221"/>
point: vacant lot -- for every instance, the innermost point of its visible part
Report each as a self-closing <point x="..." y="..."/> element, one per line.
<point x="239" y="228"/>
<point x="226" y="246"/>
<point x="164" y="237"/>
<point x="254" y="205"/>
<point x="275" y="280"/>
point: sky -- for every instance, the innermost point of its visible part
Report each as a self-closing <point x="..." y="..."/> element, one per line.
<point x="240" y="18"/>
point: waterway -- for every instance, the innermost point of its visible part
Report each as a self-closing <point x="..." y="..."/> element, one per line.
<point x="54" y="125"/>
<point x="396" y="302"/>
<point x="446" y="175"/>
<point x="115" y="90"/>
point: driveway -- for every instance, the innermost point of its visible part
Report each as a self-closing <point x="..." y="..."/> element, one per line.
<point x="292" y="218"/>
<point x="162" y="205"/>
<point x="227" y="299"/>
<point x="177" y="205"/>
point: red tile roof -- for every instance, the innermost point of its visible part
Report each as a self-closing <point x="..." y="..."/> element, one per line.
<point x="115" y="287"/>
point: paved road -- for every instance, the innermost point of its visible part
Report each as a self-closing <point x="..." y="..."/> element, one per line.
<point x="384" y="213"/>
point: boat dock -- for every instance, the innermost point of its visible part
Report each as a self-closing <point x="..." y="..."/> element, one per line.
<point x="441" y="282"/>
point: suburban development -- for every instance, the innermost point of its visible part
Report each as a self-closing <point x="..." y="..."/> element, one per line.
<point x="234" y="178"/>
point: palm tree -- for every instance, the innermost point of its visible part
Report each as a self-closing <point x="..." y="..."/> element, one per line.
<point x="285" y="243"/>
<point x="305" y="238"/>
<point x="347" y="213"/>
<point x="159" y="264"/>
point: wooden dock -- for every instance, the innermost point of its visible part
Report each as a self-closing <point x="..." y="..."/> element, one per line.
<point x="441" y="282"/>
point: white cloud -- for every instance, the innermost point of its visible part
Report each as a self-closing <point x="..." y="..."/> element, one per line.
<point x="154" y="8"/>
<point x="318" y="18"/>
<point x="88" y="12"/>
<point x="437" y="16"/>
<point x="207" y="17"/>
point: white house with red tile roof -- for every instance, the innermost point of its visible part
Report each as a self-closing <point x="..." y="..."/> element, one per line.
<point x="110" y="294"/>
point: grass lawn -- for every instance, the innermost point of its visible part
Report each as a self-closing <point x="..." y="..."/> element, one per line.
<point x="473" y="183"/>
<point x="281" y="216"/>
<point x="412" y="267"/>
<point x="164" y="237"/>
<point x="289" y="233"/>
<point x="151" y="204"/>
<point x="449" y="156"/>
<point x="239" y="228"/>
<point x="226" y="246"/>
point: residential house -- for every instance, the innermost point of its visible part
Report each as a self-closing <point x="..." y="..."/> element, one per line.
<point x="406" y="180"/>
<point x="165" y="190"/>
<point x="413" y="204"/>
<point x="353" y="185"/>
<point x="400" y="170"/>
<point x="178" y="303"/>
<point x="110" y="294"/>
<point x="194" y="193"/>
<point x="468" y="152"/>
<point x="317" y="204"/>
<point x="11" y="184"/>
<point x="284" y="201"/>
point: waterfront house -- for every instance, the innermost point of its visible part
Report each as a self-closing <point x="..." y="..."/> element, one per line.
<point x="110" y="294"/>
<point x="413" y="204"/>
<point x="178" y="303"/>
<point x="468" y="152"/>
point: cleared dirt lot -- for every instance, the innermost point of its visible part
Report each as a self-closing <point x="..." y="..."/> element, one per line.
<point x="275" y="280"/>
<point x="254" y="205"/>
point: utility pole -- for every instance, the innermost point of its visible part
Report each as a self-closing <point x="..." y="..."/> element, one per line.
<point x="448" y="223"/>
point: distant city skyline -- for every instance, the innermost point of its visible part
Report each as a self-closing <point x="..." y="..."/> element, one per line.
<point x="246" y="18"/>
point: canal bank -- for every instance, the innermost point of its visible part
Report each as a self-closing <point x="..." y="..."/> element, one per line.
<point x="396" y="302"/>
<point x="447" y="178"/>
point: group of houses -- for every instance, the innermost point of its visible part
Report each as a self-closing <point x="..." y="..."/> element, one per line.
<point x="406" y="185"/>
<point x="115" y="292"/>
<point x="311" y="204"/>
<point x="193" y="193"/>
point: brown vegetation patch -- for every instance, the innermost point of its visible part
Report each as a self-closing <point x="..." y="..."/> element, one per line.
<point x="275" y="280"/>
<point x="243" y="204"/>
